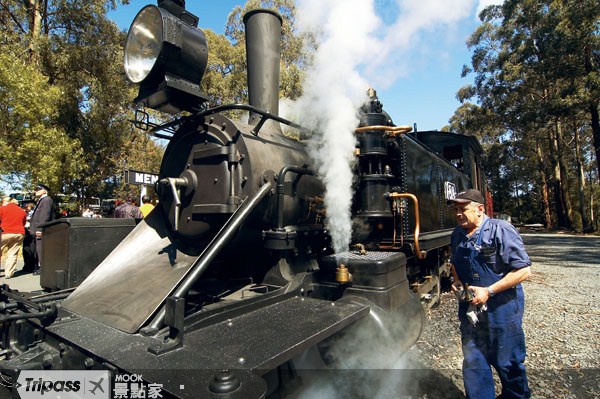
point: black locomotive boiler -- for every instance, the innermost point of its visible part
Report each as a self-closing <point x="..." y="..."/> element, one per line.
<point x="232" y="276"/>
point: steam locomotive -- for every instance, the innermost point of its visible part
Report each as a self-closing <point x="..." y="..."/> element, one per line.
<point x="233" y="276"/>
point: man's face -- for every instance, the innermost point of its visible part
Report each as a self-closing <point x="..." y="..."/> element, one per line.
<point x="467" y="215"/>
<point x="38" y="192"/>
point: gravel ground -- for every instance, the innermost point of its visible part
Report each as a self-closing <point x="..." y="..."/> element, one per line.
<point x="561" y="323"/>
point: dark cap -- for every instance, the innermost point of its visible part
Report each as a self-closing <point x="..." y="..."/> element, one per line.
<point x="470" y="195"/>
<point x="41" y="186"/>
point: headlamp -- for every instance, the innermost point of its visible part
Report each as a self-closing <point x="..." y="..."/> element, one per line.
<point x="144" y="43"/>
<point x="167" y="55"/>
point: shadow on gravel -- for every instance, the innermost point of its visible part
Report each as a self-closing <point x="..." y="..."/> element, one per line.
<point x="581" y="383"/>
<point x="384" y="384"/>
<point x="583" y="250"/>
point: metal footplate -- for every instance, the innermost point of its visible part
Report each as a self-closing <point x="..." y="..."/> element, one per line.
<point x="255" y="342"/>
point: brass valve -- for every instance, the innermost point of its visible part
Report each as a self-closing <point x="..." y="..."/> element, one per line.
<point x="342" y="274"/>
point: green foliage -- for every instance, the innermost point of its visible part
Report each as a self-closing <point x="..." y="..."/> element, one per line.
<point x="225" y="77"/>
<point x="30" y="139"/>
<point x="535" y="66"/>
<point x="65" y="100"/>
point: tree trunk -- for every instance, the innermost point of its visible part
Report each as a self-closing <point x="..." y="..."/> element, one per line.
<point x="35" y="28"/>
<point x="544" y="187"/>
<point x="561" y="219"/>
<point x="595" y="118"/>
<point x="596" y="131"/>
<point x="580" y="179"/>
<point x="564" y="178"/>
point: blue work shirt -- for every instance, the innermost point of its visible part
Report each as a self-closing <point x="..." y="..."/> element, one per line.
<point x="501" y="247"/>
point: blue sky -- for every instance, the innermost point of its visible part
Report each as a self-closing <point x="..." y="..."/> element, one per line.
<point x="426" y="57"/>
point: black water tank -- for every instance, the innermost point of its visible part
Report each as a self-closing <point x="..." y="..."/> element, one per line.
<point x="73" y="247"/>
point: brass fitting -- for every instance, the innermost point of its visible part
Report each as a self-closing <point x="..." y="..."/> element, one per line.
<point x="360" y="248"/>
<point x="342" y="274"/>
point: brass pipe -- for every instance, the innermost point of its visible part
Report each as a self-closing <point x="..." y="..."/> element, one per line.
<point x="391" y="130"/>
<point x="420" y="254"/>
<point x="397" y="209"/>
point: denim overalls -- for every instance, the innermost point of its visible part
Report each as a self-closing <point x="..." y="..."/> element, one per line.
<point x="498" y="338"/>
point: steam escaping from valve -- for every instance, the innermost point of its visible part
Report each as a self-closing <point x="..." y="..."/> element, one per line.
<point x="331" y="99"/>
<point x="355" y="50"/>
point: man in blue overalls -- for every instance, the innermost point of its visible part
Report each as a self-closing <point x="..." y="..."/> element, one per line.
<point x="490" y="263"/>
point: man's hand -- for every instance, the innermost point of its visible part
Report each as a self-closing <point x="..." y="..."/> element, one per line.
<point x="481" y="295"/>
<point x="510" y="280"/>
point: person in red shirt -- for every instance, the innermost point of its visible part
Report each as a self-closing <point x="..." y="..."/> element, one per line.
<point x="12" y="223"/>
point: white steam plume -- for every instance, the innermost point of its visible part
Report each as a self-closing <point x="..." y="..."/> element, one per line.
<point x="332" y="95"/>
<point x="356" y="50"/>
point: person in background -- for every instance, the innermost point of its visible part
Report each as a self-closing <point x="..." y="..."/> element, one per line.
<point x="88" y="213"/>
<point x="146" y="205"/>
<point x="490" y="262"/>
<point x="42" y="213"/>
<point x="12" y="223"/>
<point x="128" y="209"/>
<point x="2" y="204"/>
<point x="29" y="251"/>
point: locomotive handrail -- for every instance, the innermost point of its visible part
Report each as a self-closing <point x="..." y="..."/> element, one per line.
<point x="420" y="254"/>
<point x="221" y="239"/>
<point x="145" y="123"/>
<point x="392" y="130"/>
<point x="265" y="115"/>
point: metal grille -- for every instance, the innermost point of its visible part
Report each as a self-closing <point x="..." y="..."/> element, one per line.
<point x="370" y="255"/>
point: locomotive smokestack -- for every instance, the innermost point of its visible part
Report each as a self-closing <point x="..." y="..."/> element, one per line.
<point x="263" y="53"/>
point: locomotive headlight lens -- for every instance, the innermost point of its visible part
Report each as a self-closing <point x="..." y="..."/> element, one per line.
<point x="166" y="54"/>
<point x="144" y="44"/>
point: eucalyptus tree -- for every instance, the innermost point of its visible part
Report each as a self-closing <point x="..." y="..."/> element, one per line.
<point x="530" y="73"/>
